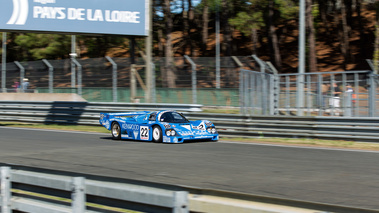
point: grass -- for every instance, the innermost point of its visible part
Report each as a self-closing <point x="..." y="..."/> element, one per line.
<point x="310" y="142"/>
<point x="281" y="141"/>
<point x="80" y="128"/>
<point x="224" y="110"/>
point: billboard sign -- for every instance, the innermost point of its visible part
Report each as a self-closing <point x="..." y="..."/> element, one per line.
<point x="119" y="17"/>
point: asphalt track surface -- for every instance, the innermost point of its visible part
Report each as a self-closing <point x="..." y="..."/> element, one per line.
<point x="343" y="177"/>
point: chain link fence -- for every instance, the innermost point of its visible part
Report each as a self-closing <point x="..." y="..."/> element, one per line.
<point x="245" y="82"/>
<point x="347" y="93"/>
<point x="326" y="94"/>
<point x="95" y="80"/>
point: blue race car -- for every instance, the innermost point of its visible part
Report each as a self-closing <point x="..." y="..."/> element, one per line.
<point x="158" y="126"/>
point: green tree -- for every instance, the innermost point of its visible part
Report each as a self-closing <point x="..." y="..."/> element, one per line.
<point x="249" y="23"/>
<point x="98" y="46"/>
<point x="43" y="46"/>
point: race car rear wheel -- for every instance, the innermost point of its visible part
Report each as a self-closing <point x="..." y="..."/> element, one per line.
<point x="157" y="134"/>
<point x="116" y="131"/>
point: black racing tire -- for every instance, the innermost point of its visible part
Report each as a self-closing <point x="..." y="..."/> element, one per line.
<point x="116" y="131"/>
<point x="157" y="134"/>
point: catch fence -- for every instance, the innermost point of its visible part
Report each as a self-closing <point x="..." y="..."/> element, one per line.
<point x="348" y="93"/>
<point x="246" y="82"/>
<point x="112" y="80"/>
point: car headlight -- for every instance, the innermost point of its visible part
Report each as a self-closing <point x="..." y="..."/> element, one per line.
<point x="170" y="132"/>
<point x="211" y="130"/>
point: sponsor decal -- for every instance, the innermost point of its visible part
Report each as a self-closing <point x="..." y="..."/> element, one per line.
<point x="166" y="139"/>
<point x="185" y="133"/>
<point x="135" y="134"/>
<point x="175" y="140"/>
<point x="130" y="126"/>
<point x="200" y="137"/>
<point x="84" y="16"/>
<point x="200" y="127"/>
<point x="144" y="133"/>
<point x="201" y="133"/>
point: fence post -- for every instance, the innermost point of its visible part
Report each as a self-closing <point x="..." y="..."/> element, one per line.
<point x="241" y="99"/>
<point x="51" y="73"/>
<point x="320" y="95"/>
<point x="309" y="95"/>
<point x="331" y="98"/>
<point x="73" y="71"/>
<point x="79" y="75"/>
<point x="300" y="95"/>
<point x="348" y="104"/>
<point x="262" y="65"/>
<point x="4" y="63"/>
<point x="276" y="89"/>
<point x="114" y="77"/>
<point x="153" y="84"/>
<point x="22" y="75"/>
<point x="247" y="93"/>
<point x="194" y="81"/>
<point x="133" y="83"/>
<point x="372" y="66"/>
<point x="264" y="82"/>
<point x="5" y="175"/>
<point x="180" y="202"/>
<point x="371" y="101"/>
<point x="78" y="194"/>
<point x="288" y="95"/>
<point x="356" y="92"/>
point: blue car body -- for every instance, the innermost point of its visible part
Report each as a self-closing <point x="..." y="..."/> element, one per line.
<point x="172" y="126"/>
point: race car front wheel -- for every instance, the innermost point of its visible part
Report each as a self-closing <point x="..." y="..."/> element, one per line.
<point x="157" y="134"/>
<point x="116" y="131"/>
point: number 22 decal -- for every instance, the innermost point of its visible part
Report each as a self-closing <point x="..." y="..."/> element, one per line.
<point x="144" y="133"/>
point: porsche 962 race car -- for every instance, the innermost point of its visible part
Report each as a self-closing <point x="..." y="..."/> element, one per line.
<point x="157" y="126"/>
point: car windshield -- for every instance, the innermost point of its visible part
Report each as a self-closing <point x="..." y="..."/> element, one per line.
<point x="173" y="117"/>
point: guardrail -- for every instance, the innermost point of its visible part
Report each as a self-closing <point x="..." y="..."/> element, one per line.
<point x="342" y="128"/>
<point x="36" y="192"/>
<point x="33" y="194"/>
<point x="83" y="113"/>
<point x="228" y="125"/>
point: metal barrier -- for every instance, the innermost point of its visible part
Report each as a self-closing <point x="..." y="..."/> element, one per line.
<point x="31" y="192"/>
<point x="83" y="113"/>
<point x="24" y="189"/>
<point x="339" y="128"/>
